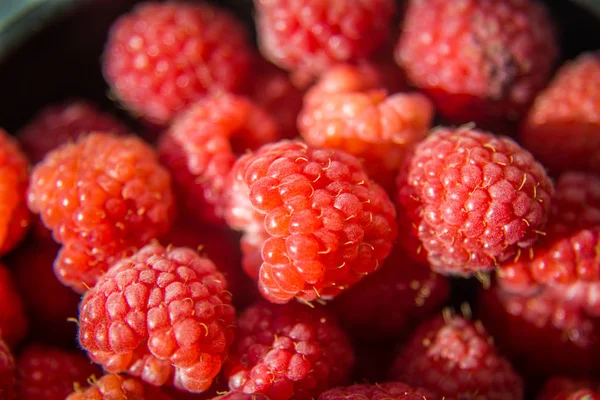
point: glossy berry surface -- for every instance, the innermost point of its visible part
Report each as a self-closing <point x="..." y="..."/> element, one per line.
<point x="113" y="387"/>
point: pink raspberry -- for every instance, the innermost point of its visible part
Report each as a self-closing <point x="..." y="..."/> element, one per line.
<point x="113" y="386"/>
<point x="161" y="57"/>
<point x="388" y="391"/>
<point x="288" y="351"/>
<point x="7" y="373"/>
<point x="14" y="322"/>
<point x="163" y="314"/>
<point x="562" y="388"/>
<point x="327" y="225"/>
<point x="469" y="200"/>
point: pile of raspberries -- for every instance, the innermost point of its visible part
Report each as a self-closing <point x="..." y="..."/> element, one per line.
<point x="377" y="200"/>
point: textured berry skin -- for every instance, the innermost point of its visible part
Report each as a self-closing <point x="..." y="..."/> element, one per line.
<point x="289" y="351"/>
<point x="479" y="60"/>
<point x="161" y="57"/>
<point x="469" y="200"/>
<point x="241" y="396"/>
<point x="163" y="314"/>
<point x="562" y="128"/>
<point x="456" y="359"/>
<point x="102" y="196"/>
<point x="7" y="373"/>
<point x="202" y="144"/>
<point x="380" y="391"/>
<point x="561" y="388"/>
<point x="310" y="35"/>
<point x="392" y="300"/>
<point x="13" y="318"/>
<point x="60" y="123"/>
<point x="50" y="373"/>
<point x="113" y="387"/>
<point x="348" y="109"/>
<point x="14" y="215"/>
<point x="327" y="224"/>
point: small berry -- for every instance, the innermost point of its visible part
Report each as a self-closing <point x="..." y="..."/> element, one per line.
<point x="102" y="196"/>
<point x="388" y="391"/>
<point x="14" y="322"/>
<point x="469" y="200"/>
<point x="161" y="57"/>
<point x="113" y="387"/>
<point x="7" y="373"/>
<point x="561" y="388"/>
<point x="288" y="351"/>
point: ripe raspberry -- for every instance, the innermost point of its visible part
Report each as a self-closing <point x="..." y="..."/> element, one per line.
<point x="161" y="314"/>
<point x="286" y="351"/>
<point x="50" y="373"/>
<point x="455" y="359"/>
<point x="560" y="388"/>
<point x="349" y="110"/>
<point x="308" y="36"/>
<point x="13" y="319"/>
<point x="102" y="196"/>
<point x="478" y="60"/>
<point x="113" y="386"/>
<point x="58" y="124"/>
<point x="14" y="215"/>
<point x="327" y="224"/>
<point x="7" y="373"/>
<point x="393" y="299"/>
<point x="562" y="129"/>
<point x="203" y="143"/>
<point x="388" y="391"/>
<point x="159" y="58"/>
<point x="241" y="396"/>
<point x="471" y="200"/>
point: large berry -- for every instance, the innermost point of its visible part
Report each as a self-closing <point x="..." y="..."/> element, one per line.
<point x="202" y="144"/>
<point x="327" y="225"/>
<point x="161" y="57"/>
<point x="455" y="359"/>
<point x="102" y="196"/>
<point x="7" y="373"/>
<point x="113" y="387"/>
<point x="288" y="351"/>
<point x="469" y="200"/>
<point x="388" y="391"/>
<point x="562" y="128"/>
<point x="479" y="60"/>
<point x="562" y="388"/>
<point x="163" y="314"/>
<point x="13" y="317"/>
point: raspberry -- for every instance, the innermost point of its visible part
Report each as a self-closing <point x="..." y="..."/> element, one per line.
<point x="60" y="123"/>
<point x="113" y="386"/>
<point x="393" y="299"/>
<point x="562" y="129"/>
<point x="102" y="196"/>
<point x="13" y="319"/>
<point x="479" y="60"/>
<point x="327" y="224"/>
<point x="348" y="109"/>
<point x="308" y="36"/>
<point x="202" y="144"/>
<point x="161" y="314"/>
<point x="50" y="373"/>
<point x="560" y="388"/>
<point x="389" y="390"/>
<point x="288" y="351"/>
<point x="161" y="57"/>
<point x="14" y="215"/>
<point x="454" y="358"/>
<point x="241" y="396"/>
<point x="7" y="373"/>
<point x="471" y="200"/>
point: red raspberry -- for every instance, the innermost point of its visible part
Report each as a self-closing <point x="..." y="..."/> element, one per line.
<point x="161" y="314"/>
<point x="60" y="123"/>
<point x="159" y="58"/>
<point x="288" y="351"/>
<point x="562" y="129"/>
<point x="113" y="386"/>
<point x="14" y="215"/>
<point x="479" y="60"/>
<point x="393" y="299"/>
<point x="454" y="358"/>
<point x="7" y="373"/>
<point x="13" y="318"/>
<point x="388" y="391"/>
<point x="327" y="224"/>
<point x="102" y="196"/>
<point x="471" y="200"/>
<point x="203" y="143"/>
<point x="348" y="109"/>
<point x="310" y="35"/>
<point x="560" y="388"/>
<point x="50" y="373"/>
<point x="241" y="396"/>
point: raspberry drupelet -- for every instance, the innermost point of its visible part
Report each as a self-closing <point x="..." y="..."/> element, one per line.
<point x="113" y="386"/>
<point x="103" y="196"/>
<point x="202" y="144"/>
<point x="14" y="322"/>
<point x="289" y="351"/>
<point x="7" y="373"/>
<point x="388" y="391"/>
<point x="455" y="359"/>
<point x="563" y="388"/>
<point x="161" y="57"/>
<point x="479" y="60"/>
<point x="164" y="315"/>
<point x="241" y="396"/>
<point x="326" y="224"/>
<point x="468" y="200"/>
